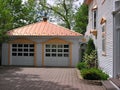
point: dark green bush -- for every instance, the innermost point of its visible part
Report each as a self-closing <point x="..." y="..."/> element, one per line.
<point x="90" y="46"/>
<point x="81" y="65"/>
<point x="94" y="74"/>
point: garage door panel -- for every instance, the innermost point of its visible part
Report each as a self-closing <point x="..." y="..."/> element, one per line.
<point x="53" y="61"/>
<point x="56" y="55"/>
<point x="22" y="54"/>
<point x="22" y="60"/>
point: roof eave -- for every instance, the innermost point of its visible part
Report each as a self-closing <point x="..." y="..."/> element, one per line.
<point x="45" y="35"/>
<point x="87" y="2"/>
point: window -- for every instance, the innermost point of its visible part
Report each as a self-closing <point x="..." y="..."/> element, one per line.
<point x="22" y="49"/>
<point x="104" y="39"/>
<point x="57" y="50"/>
<point x="94" y="18"/>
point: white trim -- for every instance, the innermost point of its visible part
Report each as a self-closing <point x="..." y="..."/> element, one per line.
<point x="114" y="85"/>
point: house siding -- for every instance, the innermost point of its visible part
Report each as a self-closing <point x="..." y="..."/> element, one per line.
<point x="39" y="41"/>
<point x="103" y="10"/>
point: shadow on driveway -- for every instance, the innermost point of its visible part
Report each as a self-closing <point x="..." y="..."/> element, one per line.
<point x="11" y="79"/>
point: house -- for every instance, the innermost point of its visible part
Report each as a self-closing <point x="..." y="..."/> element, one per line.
<point x="42" y="44"/>
<point x="104" y="28"/>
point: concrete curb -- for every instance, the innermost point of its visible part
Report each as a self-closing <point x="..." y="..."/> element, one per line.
<point x="78" y="74"/>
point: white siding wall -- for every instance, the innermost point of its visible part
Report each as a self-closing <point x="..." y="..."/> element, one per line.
<point x="104" y="10"/>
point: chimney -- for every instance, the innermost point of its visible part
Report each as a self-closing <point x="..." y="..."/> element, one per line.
<point x="45" y="19"/>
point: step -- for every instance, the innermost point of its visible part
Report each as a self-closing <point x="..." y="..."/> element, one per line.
<point x="108" y="85"/>
<point x="116" y="81"/>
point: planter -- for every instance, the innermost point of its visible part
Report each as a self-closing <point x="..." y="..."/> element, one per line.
<point x="93" y="82"/>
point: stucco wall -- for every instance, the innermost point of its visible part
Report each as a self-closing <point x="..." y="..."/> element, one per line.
<point x="4" y="54"/>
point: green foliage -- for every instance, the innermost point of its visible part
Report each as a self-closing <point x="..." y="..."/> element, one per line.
<point x="81" y="19"/>
<point x="3" y="36"/>
<point x="90" y="46"/>
<point x="91" y="59"/>
<point x="94" y="74"/>
<point x="15" y="13"/>
<point x="82" y="65"/>
<point x="63" y="10"/>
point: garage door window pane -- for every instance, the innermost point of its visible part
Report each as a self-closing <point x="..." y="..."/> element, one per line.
<point x="25" y="50"/>
<point x="31" y="54"/>
<point x="53" y="46"/>
<point x="47" y="50"/>
<point x="59" y="55"/>
<point x="25" y="45"/>
<point x="48" y="54"/>
<point x="66" y="55"/>
<point x="31" y="45"/>
<point x="14" y="45"/>
<point x="66" y="50"/>
<point x="31" y="50"/>
<point x="59" y="50"/>
<point x="25" y="54"/>
<point x="60" y="46"/>
<point x="19" y="50"/>
<point x="14" y="54"/>
<point x="19" y="54"/>
<point x="20" y="45"/>
<point x="14" y="49"/>
<point x="47" y="46"/>
<point x="53" y="55"/>
<point x="53" y="50"/>
<point x="66" y="46"/>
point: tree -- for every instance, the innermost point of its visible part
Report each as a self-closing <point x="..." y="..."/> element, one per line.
<point x="15" y="13"/>
<point x="90" y="55"/>
<point x="90" y="47"/>
<point x="81" y="19"/>
<point x="64" y="11"/>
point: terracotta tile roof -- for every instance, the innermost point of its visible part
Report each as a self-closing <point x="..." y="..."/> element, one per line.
<point x="42" y="28"/>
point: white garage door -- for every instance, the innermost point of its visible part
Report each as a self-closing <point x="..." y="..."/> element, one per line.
<point x="22" y="54"/>
<point x="56" y="55"/>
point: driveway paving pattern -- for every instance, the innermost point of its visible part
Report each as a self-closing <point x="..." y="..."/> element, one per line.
<point x="30" y="78"/>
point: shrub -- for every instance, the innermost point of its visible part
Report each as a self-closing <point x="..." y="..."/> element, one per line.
<point x="90" y="46"/>
<point x="91" y="60"/>
<point x="94" y="74"/>
<point x="81" y="65"/>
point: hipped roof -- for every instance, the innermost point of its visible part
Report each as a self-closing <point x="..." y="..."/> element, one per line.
<point x="43" y="28"/>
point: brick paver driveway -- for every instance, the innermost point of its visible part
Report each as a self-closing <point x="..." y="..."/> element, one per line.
<point x="19" y="78"/>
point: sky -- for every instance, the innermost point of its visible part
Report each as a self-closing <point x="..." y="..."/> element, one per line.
<point x="81" y="1"/>
<point x="51" y="1"/>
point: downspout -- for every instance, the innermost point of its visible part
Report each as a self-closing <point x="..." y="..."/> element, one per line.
<point x="114" y="48"/>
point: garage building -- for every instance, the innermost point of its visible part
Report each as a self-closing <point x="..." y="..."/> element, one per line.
<point x="42" y="44"/>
